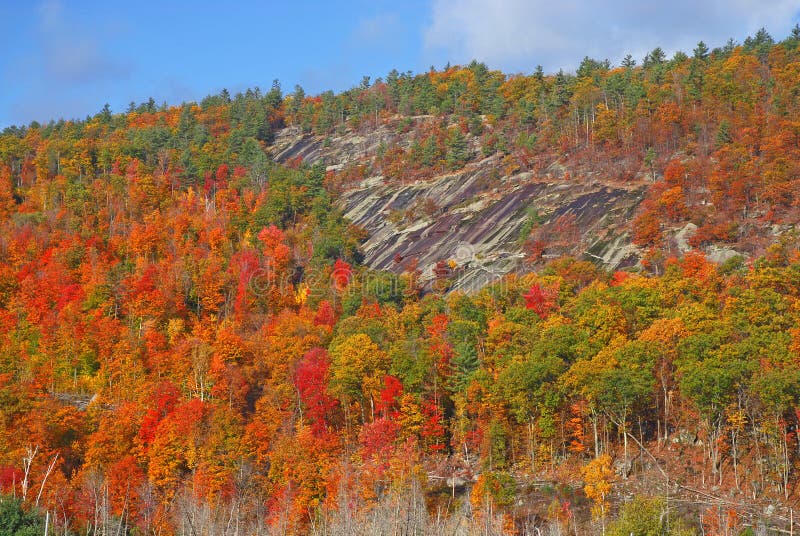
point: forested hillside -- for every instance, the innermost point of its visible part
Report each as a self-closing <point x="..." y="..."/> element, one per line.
<point x="194" y="340"/>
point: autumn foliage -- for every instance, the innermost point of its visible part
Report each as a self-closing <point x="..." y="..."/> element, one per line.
<point x="187" y="331"/>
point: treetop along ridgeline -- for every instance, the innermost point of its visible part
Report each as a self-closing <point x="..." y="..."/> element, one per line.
<point x="189" y="340"/>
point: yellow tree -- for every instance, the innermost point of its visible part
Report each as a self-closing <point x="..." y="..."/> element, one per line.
<point x="598" y="477"/>
<point x="357" y="369"/>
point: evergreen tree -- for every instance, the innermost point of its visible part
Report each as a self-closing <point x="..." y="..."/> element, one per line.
<point x="105" y="114"/>
<point x="457" y="150"/>
<point x="724" y="133"/>
<point x="274" y="97"/>
<point x="700" y="51"/>
<point x="760" y="44"/>
<point x="14" y="521"/>
<point x="464" y="363"/>
<point x="298" y="97"/>
<point x="654" y="57"/>
<point x="628" y="62"/>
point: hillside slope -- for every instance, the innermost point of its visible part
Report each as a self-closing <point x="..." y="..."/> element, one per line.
<point x="192" y="336"/>
<point x="474" y="218"/>
<point x="615" y="165"/>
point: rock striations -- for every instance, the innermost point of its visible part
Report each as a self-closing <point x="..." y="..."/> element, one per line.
<point x="477" y="220"/>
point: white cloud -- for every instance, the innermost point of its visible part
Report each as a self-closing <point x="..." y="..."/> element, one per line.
<point x="375" y="30"/>
<point x="519" y="34"/>
<point x="72" y="53"/>
<point x="68" y="71"/>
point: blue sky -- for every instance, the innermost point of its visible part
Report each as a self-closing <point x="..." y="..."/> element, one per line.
<point x="62" y="58"/>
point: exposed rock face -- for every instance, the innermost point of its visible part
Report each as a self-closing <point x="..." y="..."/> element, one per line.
<point x="333" y="151"/>
<point x="475" y="219"/>
<point x="481" y="229"/>
<point x="682" y="237"/>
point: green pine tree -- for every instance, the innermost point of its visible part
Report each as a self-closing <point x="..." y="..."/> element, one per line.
<point x="457" y="149"/>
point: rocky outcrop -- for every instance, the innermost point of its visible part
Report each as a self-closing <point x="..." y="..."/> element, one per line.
<point x="475" y="219"/>
<point x="481" y="230"/>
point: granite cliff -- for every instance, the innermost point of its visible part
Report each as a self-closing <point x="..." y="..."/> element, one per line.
<point x="478" y="219"/>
